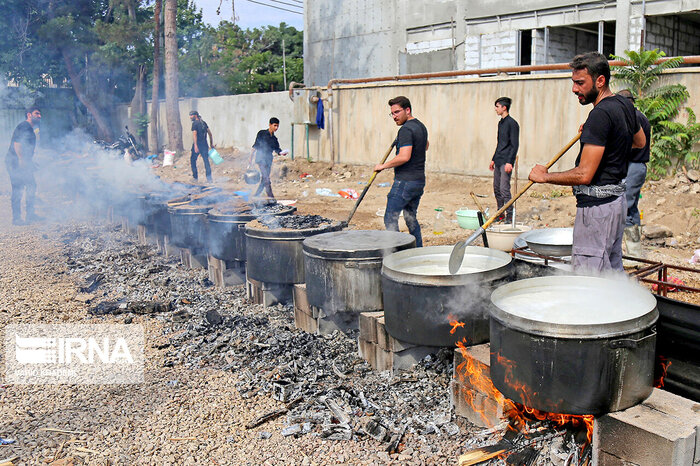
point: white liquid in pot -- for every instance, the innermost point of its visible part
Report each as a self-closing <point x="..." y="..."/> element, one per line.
<point x="577" y="305"/>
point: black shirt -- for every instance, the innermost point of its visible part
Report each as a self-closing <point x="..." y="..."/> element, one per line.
<point x="642" y="155"/>
<point x="612" y="124"/>
<point x="201" y="127"/>
<point x="265" y="144"/>
<point x="508" y="141"/>
<point x="24" y="134"/>
<point x="413" y="133"/>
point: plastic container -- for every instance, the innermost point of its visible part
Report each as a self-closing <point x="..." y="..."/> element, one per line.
<point x="439" y="223"/>
<point x="503" y="236"/>
<point x="468" y="219"/>
<point x="214" y="156"/>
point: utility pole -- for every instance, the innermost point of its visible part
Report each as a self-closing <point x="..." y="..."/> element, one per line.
<point x="284" y="65"/>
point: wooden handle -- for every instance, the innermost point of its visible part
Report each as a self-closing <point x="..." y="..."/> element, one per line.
<point x="478" y="204"/>
<point x="530" y="183"/>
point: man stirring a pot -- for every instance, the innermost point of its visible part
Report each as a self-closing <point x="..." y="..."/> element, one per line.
<point x="409" y="169"/>
<point x="607" y="138"/>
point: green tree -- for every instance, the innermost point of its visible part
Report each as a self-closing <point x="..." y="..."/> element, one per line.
<point x="671" y="141"/>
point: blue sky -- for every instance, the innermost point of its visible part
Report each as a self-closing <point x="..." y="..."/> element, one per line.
<point x="251" y="14"/>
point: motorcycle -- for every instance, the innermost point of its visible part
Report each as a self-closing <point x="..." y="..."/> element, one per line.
<point x="125" y="146"/>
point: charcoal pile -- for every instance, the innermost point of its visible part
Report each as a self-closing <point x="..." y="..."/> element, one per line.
<point x="294" y="222"/>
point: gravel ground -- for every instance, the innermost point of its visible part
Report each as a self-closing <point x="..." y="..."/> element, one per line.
<point x="203" y="383"/>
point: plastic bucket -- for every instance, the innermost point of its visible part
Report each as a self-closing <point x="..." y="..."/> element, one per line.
<point x="214" y="156"/>
<point x="468" y="219"/>
<point x="168" y="157"/>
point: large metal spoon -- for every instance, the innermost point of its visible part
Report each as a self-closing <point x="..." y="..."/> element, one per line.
<point x="457" y="255"/>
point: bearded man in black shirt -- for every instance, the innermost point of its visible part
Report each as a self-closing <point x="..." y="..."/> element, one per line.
<point x="607" y="138"/>
<point x="20" y="166"/>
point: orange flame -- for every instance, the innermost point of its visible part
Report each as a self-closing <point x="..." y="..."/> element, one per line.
<point x="472" y="374"/>
<point x="665" y="363"/>
<point x="455" y="325"/>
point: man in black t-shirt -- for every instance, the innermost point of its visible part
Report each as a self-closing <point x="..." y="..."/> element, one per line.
<point x="20" y="166"/>
<point x="200" y="130"/>
<point x="607" y="138"/>
<point x="409" y="169"/>
<point x="504" y="157"/>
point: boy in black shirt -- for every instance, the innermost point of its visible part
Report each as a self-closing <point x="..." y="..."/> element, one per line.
<point x="265" y="144"/>
<point x="504" y="157"/>
<point x="409" y="169"/>
<point x="20" y="166"/>
<point x="200" y="130"/>
<point x="608" y="136"/>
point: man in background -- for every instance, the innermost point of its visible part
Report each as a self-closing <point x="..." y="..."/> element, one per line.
<point x="20" y="166"/>
<point x="265" y="144"/>
<point x="504" y="157"/>
<point x="409" y="169"/>
<point x="636" y="174"/>
<point x="200" y="130"/>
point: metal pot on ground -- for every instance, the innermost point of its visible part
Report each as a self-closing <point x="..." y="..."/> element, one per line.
<point x="573" y="344"/>
<point x="187" y="225"/>
<point x="421" y="297"/>
<point x="276" y="255"/>
<point x="226" y="230"/>
<point x="343" y="268"/>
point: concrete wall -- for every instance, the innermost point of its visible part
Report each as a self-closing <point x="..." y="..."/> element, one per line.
<point x="368" y="38"/>
<point x="461" y="121"/>
<point x="458" y="113"/>
<point x="233" y="119"/>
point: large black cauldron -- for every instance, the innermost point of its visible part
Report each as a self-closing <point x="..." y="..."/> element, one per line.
<point x="573" y="344"/>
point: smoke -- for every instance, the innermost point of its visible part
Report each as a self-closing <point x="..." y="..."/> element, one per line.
<point x="77" y="179"/>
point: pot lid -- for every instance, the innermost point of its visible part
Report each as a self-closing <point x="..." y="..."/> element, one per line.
<point x="574" y="306"/>
<point x="429" y="265"/>
<point x="358" y="244"/>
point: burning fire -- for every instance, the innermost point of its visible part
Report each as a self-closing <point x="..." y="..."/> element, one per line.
<point x="454" y="323"/>
<point x="663" y="365"/>
<point x="471" y="373"/>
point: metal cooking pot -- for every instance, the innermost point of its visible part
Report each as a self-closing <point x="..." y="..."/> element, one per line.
<point x="187" y="225"/>
<point x="226" y="230"/>
<point x="573" y="344"/>
<point x="555" y="242"/>
<point x="276" y="256"/>
<point x="343" y="268"/>
<point x="421" y="297"/>
<point x="251" y="176"/>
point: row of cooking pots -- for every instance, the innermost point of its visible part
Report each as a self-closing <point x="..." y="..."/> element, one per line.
<point x="566" y="344"/>
<point x="577" y="345"/>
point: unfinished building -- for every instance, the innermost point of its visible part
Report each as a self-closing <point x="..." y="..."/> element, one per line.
<point x="368" y="38"/>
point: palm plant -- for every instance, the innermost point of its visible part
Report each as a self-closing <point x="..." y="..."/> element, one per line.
<point x="671" y="141"/>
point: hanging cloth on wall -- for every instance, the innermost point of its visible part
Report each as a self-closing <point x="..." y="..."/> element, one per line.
<point x="320" y="120"/>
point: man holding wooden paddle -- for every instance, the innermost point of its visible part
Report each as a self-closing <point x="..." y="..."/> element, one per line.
<point x="409" y="169"/>
<point x="607" y="138"/>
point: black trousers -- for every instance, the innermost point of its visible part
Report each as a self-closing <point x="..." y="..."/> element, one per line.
<point x="205" y="156"/>
<point x="501" y="189"/>
<point x="265" y="169"/>
<point x="21" y="178"/>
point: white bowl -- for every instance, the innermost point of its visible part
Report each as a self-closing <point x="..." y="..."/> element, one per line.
<point x="502" y="236"/>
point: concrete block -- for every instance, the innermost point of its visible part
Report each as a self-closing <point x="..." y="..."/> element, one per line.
<point x="223" y="274"/>
<point x="389" y="343"/>
<point x="661" y="430"/>
<point x="475" y="407"/>
<point x="141" y="234"/>
<point x="368" y="325"/>
<point x="479" y="355"/>
<point x="304" y="321"/>
<point x="300" y="299"/>
<point x="170" y="248"/>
